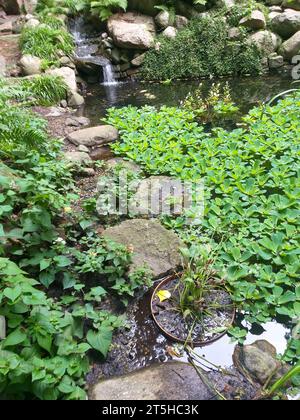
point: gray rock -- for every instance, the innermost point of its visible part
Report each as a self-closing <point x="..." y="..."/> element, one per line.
<point x="291" y="47"/>
<point x="153" y="245"/>
<point x="101" y="153"/>
<point x="258" y="362"/>
<point x="132" y="30"/>
<point x="170" y="32"/>
<point x="68" y="75"/>
<point x="32" y="23"/>
<point x="88" y="172"/>
<point x="138" y="61"/>
<point x="78" y="157"/>
<point x="83" y="148"/>
<point x="75" y="100"/>
<point x="180" y="22"/>
<point x="275" y="61"/>
<point x="126" y="164"/>
<point x="6" y="27"/>
<point x="31" y="65"/>
<point x="255" y="21"/>
<point x="163" y="20"/>
<point x="287" y="23"/>
<point x="94" y="136"/>
<point x="169" y="381"/>
<point x="30" y="5"/>
<point x="266" y="41"/>
<point x="234" y="33"/>
<point x="158" y="195"/>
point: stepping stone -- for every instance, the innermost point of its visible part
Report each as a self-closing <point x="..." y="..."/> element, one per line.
<point x="170" y="381"/>
<point x="159" y="195"/>
<point x="152" y="244"/>
<point x="94" y="136"/>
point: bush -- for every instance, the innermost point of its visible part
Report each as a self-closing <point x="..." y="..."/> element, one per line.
<point x="46" y="42"/>
<point x="201" y="49"/>
<point x="46" y="90"/>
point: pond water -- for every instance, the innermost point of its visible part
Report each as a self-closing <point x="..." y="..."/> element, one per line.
<point x="146" y="343"/>
<point x="246" y="92"/>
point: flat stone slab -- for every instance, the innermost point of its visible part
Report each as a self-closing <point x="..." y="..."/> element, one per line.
<point x="94" y="136"/>
<point x="152" y="245"/>
<point x="159" y="195"/>
<point x="170" y="381"/>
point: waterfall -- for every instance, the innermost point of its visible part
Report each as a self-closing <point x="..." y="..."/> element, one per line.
<point x="86" y="51"/>
<point x="108" y="75"/>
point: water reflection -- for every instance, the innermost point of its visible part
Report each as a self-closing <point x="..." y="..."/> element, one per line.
<point x="220" y="352"/>
<point x="246" y="92"/>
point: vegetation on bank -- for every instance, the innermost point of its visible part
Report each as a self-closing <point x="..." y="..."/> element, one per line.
<point x="251" y="184"/>
<point x="201" y="49"/>
<point x="51" y="265"/>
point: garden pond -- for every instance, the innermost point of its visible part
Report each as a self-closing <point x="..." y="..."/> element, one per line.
<point x="142" y="344"/>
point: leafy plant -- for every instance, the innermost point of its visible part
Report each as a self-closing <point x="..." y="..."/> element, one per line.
<point x="201" y="49"/>
<point x="104" y="8"/>
<point x="46" y="42"/>
<point x="215" y="107"/>
<point x="251" y="179"/>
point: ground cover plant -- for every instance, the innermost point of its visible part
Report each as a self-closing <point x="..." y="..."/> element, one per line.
<point x="55" y="271"/>
<point x="252" y="194"/>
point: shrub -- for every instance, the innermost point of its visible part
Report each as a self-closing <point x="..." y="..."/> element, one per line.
<point x="201" y="49"/>
<point x="46" y="42"/>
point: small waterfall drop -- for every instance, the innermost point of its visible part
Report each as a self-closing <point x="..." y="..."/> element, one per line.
<point x="86" y="51"/>
<point x="108" y="75"/>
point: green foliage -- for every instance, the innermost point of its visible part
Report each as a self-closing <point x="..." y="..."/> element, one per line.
<point x="44" y="352"/>
<point x="216" y="107"/>
<point x="46" y="90"/>
<point x="57" y="7"/>
<point x="46" y="42"/>
<point x="252" y="195"/>
<point x="42" y="90"/>
<point x="201" y="49"/>
<point x="243" y="9"/>
<point x="105" y="8"/>
<point x="20" y="131"/>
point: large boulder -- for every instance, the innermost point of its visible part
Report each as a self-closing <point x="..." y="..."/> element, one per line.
<point x="291" y="47"/>
<point x="286" y="24"/>
<point x="31" y="65"/>
<point x="293" y="4"/>
<point x="68" y="75"/>
<point x="256" y="20"/>
<point x="132" y="30"/>
<point x="94" y="136"/>
<point x="152" y="244"/>
<point x="169" y="381"/>
<point x="266" y="41"/>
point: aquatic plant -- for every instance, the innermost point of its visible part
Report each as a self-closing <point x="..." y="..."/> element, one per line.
<point x="251" y="179"/>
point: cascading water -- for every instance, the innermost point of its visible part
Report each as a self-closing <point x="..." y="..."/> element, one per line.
<point x="86" y="51"/>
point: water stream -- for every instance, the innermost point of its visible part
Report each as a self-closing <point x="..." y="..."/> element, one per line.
<point x="86" y="51"/>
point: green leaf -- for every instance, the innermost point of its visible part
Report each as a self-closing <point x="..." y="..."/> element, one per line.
<point x="12" y="293"/>
<point x="100" y="340"/>
<point x="15" y="338"/>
